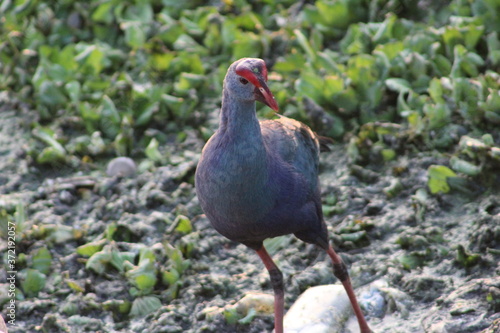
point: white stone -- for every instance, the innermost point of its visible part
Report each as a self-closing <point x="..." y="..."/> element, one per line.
<point x="321" y="309"/>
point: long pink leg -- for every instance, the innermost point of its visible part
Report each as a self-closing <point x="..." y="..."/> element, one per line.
<point x="340" y="271"/>
<point x="279" y="291"/>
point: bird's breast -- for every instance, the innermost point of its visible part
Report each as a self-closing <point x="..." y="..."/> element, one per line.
<point x="232" y="184"/>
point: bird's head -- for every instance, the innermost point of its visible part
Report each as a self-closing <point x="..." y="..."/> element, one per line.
<point x="246" y="79"/>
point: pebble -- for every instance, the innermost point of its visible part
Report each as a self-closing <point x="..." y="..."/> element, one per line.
<point x="3" y="327"/>
<point x="121" y="166"/>
<point x="373" y="303"/>
<point x="320" y="309"/>
<point x="260" y="302"/>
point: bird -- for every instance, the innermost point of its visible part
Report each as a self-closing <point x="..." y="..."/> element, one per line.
<point x="259" y="179"/>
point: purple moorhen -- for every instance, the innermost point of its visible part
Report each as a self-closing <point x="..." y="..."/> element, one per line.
<point x="259" y="179"/>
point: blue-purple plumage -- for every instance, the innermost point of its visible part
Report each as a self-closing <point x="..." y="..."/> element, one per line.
<point x="257" y="180"/>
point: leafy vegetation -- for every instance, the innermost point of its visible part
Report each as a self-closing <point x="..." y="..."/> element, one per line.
<point x="127" y="78"/>
<point x="102" y="75"/>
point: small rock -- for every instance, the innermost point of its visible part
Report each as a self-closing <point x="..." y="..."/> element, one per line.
<point x="53" y="322"/>
<point x="461" y="311"/>
<point x="321" y="309"/>
<point x="374" y="208"/>
<point x="260" y="302"/>
<point x="3" y="327"/>
<point x="66" y="197"/>
<point x="424" y="287"/>
<point x="495" y="327"/>
<point x="365" y="175"/>
<point x="373" y="302"/>
<point x="85" y="324"/>
<point x="121" y="166"/>
<point x="462" y="307"/>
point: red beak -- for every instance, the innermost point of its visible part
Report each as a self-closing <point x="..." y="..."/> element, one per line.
<point x="264" y="95"/>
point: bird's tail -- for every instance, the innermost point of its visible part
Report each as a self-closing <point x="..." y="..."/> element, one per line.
<point x="324" y="141"/>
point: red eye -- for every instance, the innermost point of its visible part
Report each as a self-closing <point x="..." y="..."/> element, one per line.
<point x="244" y="81"/>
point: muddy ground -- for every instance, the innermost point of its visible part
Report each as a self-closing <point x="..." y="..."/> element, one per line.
<point x="381" y="218"/>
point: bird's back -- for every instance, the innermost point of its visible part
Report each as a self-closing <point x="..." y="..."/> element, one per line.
<point x="296" y="144"/>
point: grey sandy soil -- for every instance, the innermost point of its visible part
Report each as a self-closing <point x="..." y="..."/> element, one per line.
<point x="409" y="239"/>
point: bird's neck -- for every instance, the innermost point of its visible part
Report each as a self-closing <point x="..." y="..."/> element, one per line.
<point x="241" y="136"/>
<point x="238" y="119"/>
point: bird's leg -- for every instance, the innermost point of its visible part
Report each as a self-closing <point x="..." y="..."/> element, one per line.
<point x="279" y="291"/>
<point x="340" y="271"/>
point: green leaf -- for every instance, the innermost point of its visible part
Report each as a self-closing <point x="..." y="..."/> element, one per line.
<point x="46" y="135"/>
<point x="347" y="100"/>
<point x="248" y="21"/>
<point x="20" y="216"/>
<point x="170" y="277"/>
<point x="32" y="282"/>
<point x="335" y="14"/>
<point x="143" y="276"/>
<point x="188" y="44"/>
<point x="273" y="245"/>
<point x="442" y="64"/>
<point x="104" y="13"/>
<point x="311" y="85"/>
<point x="183" y="224"/>
<point x="109" y="256"/>
<point x="152" y="151"/>
<point x="140" y="11"/>
<point x="385" y="30"/>
<point x="361" y="69"/>
<point x="52" y="156"/>
<point x="436" y="90"/>
<point x="304" y="43"/>
<point x="231" y="315"/>
<point x="146" y="254"/>
<point x="109" y="118"/>
<point x="391" y="49"/>
<point x="411" y="261"/>
<point x="111" y="229"/>
<point x="466" y="259"/>
<point x="177" y="260"/>
<point x="188" y="81"/>
<point x="333" y="85"/>
<point x="73" y="89"/>
<point x="161" y="61"/>
<point x="438" y="115"/>
<point x="51" y="95"/>
<point x="247" y="45"/>
<point x="355" y="41"/>
<point x="398" y="85"/>
<point x="42" y="260"/>
<point x="290" y="63"/>
<point x="249" y="317"/>
<point x="142" y="306"/>
<point x="89" y="249"/>
<point x="451" y="38"/>
<point x="464" y="167"/>
<point x="388" y="154"/>
<point x="493" y="43"/>
<point x="118" y="259"/>
<point x="95" y="61"/>
<point x="74" y="286"/>
<point x="146" y="114"/>
<point x="437" y="175"/>
<point x="135" y="35"/>
<point x="92" y="58"/>
<point x="472" y="36"/>
<point x="99" y="261"/>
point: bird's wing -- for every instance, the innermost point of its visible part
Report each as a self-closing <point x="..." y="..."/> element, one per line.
<point x="295" y="143"/>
